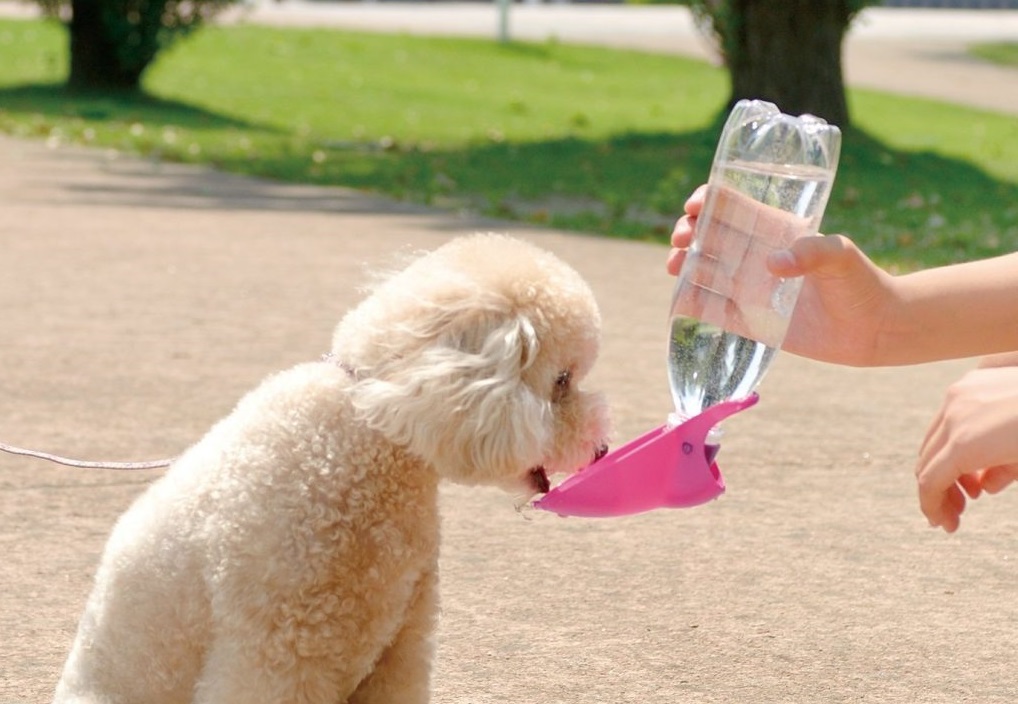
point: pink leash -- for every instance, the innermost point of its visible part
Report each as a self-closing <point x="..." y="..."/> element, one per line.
<point x="153" y="464"/>
<point x="84" y="464"/>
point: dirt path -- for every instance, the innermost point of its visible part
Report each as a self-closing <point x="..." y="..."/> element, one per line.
<point x="141" y="300"/>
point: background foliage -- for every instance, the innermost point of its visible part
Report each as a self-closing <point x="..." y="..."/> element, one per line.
<point x="582" y="138"/>
<point x="123" y="37"/>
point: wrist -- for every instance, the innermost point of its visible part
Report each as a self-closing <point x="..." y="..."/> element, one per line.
<point x="1005" y="359"/>
<point x="900" y="334"/>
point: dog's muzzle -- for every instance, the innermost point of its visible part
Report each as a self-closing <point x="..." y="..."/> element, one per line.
<point x="539" y="475"/>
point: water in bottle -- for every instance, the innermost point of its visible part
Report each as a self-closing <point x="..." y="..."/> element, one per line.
<point x="769" y="184"/>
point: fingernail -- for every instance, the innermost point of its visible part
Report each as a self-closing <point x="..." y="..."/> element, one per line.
<point x="781" y="259"/>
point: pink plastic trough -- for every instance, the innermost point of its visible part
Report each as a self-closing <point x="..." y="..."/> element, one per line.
<point x="665" y="468"/>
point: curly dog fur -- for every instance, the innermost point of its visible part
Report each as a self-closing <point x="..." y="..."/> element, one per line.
<point x="291" y="555"/>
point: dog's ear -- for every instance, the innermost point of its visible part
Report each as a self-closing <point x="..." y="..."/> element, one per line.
<point x="460" y="400"/>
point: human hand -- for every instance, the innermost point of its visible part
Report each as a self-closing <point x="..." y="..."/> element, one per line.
<point x="682" y="233"/>
<point x="725" y="277"/>
<point x="845" y="302"/>
<point x="971" y="446"/>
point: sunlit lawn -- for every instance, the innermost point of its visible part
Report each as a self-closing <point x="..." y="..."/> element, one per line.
<point x="1004" y="53"/>
<point x="592" y="139"/>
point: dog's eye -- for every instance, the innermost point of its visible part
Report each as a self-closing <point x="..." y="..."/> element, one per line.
<point x="562" y="382"/>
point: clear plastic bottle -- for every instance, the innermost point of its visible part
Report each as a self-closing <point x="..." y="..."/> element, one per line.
<point x="769" y="184"/>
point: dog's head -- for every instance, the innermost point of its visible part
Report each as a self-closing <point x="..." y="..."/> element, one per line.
<point x="472" y="358"/>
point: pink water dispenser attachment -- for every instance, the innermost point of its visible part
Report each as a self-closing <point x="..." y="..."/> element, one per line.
<point x="669" y="467"/>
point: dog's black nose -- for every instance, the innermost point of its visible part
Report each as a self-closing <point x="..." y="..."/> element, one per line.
<point x="601" y="452"/>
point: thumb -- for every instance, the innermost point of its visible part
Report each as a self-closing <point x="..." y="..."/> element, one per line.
<point x="812" y="254"/>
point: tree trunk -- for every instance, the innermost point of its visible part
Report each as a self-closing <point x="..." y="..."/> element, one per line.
<point x="96" y="64"/>
<point x="789" y="53"/>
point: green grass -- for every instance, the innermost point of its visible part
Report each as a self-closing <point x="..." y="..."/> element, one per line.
<point x="1003" y="53"/>
<point x="582" y="138"/>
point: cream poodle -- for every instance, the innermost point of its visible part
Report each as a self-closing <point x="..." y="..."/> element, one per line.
<point x="291" y="555"/>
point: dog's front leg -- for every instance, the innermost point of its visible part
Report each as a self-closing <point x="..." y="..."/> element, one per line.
<point x="268" y="656"/>
<point x="403" y="673"/>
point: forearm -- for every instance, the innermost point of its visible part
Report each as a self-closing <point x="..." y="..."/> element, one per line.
<point x="964" y="310"/>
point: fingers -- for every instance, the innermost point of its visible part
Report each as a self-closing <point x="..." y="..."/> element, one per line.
<point x="952" y="505"/>
<point x="943" y="505"/>
<point x="946" y="467"/>
<point x="940" y="498"/>
<point x="694" y="204"/>
<point x="675" y="258"/>
<point x="682" y="237"/>
<point x="995" y="479"/>
<point x="682" y="234"/>
<point x="972" y="484"/>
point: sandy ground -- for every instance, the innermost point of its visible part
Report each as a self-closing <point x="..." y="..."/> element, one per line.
<point x="141" y="300"/>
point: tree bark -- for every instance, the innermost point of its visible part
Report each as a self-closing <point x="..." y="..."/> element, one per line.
<point x="789" y="53"/>
<point x="95" y="60"/>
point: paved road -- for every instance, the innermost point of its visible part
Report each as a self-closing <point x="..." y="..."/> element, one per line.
<point x="140" y="300"/>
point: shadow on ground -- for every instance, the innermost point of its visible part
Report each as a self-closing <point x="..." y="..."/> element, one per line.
<point x="914" y="208"/>
<point x="54" y="101"/>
